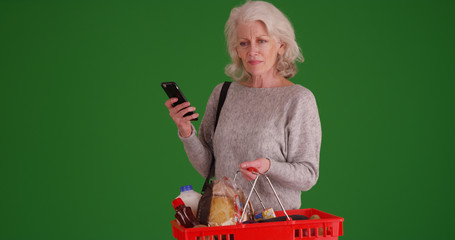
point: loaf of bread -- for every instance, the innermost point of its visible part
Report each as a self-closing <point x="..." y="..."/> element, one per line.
<point x="222" y="212"/>
<point x="227" y="205"/>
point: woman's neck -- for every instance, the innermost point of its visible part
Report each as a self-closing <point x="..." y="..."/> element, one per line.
<point x="267" y="82"/>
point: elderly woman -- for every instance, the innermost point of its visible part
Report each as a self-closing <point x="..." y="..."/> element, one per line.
<point x="267" y="121"/>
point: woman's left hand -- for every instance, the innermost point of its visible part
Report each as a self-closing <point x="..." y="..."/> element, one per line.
<point x="261" y="164"/>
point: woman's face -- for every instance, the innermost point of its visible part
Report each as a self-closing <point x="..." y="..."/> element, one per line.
<point x="257" y="49"/>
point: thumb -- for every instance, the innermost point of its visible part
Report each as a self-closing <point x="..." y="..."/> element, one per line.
<point x="250" y="164"/>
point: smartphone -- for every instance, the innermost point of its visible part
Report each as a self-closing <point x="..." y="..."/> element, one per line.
<point x="173" y="91"/>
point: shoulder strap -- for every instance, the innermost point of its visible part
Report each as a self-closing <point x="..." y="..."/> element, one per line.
<point x="223" y="95"/>
<point x="221" y="100"/>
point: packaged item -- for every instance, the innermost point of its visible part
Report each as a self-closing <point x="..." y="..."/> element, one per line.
<point x="183" y="214"/>
<point x="222" y="210"/>
<point x="227" y="204"/>
<point x="240" y="200"/>
<point x="266" y="214"/>
<point x="190" y="198"/>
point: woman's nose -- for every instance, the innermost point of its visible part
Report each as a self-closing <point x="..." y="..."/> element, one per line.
<point x="253" y="51"/>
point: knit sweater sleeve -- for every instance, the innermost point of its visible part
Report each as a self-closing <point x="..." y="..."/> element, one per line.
<point x="199" y="149"/>
<point x="300" y="171"/>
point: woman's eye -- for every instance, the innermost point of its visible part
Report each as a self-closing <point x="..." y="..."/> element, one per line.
<point x="243" y="44"/>
<point x="262" y="41"/>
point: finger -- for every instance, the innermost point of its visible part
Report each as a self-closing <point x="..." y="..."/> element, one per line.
<point x="184" y="111"/>
<point x="176" y="109"/>
<point x="181" y="106"/>
<point x="191" y="117"/>
<point x="251" y="164"/>
<point x="247" y="175"/>
<point x="169" y="102"/>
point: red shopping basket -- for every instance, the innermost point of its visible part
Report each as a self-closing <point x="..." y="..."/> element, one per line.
<point x="328" y="227"/>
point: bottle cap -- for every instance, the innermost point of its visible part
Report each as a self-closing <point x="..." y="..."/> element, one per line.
<point x="177" y="202"/>
<point x="186" y="188"/>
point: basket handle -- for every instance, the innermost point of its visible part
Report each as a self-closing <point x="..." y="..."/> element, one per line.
<point x="257" y="173"/>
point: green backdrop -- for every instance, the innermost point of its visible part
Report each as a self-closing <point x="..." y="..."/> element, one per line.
<point x="88" y="150"/>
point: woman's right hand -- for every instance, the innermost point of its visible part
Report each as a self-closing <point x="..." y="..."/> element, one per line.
<point x="177" y="114"/>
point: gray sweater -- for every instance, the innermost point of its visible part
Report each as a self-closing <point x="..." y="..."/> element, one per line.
<point x="281" y="124"/>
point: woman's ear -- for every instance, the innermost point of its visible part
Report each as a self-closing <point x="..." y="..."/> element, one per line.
<point x="282" y="48"/>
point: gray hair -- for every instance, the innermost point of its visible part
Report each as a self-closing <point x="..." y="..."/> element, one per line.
<point x="278" y="26"/>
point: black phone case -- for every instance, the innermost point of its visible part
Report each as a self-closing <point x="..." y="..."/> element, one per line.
<point x="172" y="90"/>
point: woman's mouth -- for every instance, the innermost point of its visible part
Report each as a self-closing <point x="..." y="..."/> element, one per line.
<point x="254" y="62"/>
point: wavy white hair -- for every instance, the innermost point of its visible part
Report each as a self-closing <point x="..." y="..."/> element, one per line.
<point x="278" y="26"/>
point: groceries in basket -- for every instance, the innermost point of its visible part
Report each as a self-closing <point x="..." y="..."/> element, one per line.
<point x="190" y="198"/>
<point x="266" y="214"/>
<point x="185" y="205"/>
<point x="227" y="205"/>
<point x="184" y="214"/>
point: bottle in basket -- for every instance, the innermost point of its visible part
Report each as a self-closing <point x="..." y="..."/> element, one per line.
<point x="190" y="197"/>
<point x="184" y="214"/>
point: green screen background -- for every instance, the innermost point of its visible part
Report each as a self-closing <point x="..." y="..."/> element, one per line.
<point x="88" y="150"/>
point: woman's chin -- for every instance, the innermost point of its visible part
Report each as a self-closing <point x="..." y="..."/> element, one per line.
<point x="255" y="72"/>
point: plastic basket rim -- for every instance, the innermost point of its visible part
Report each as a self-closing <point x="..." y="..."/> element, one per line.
<point x="332" y="218"/>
